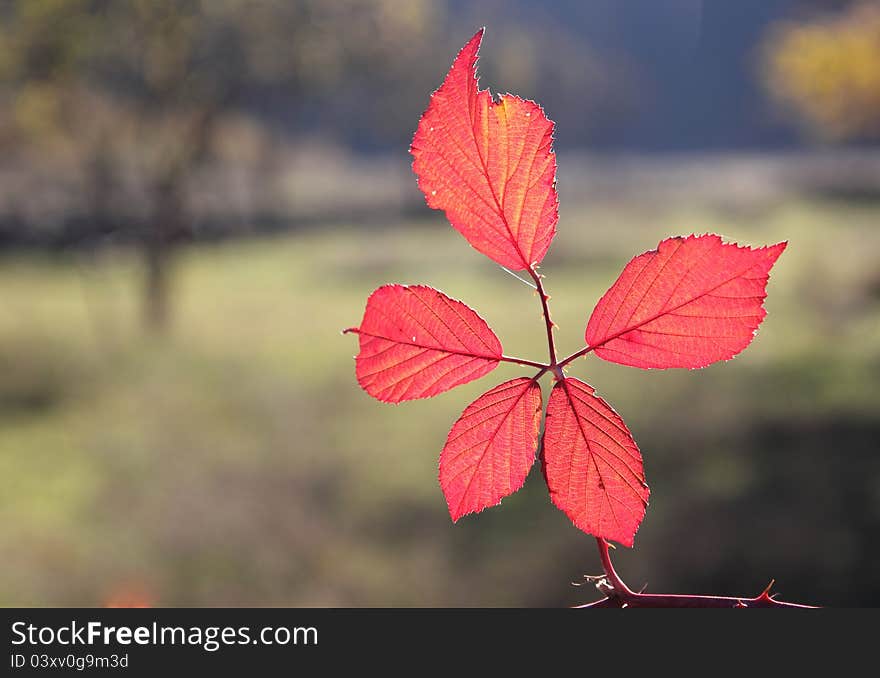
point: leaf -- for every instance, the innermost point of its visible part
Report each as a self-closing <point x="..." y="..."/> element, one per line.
<point x="689" y="303"/>
<point x="416" y="342"/>
<point x="491" y="447"/>
<point x="489" y="166"/>
<point x="592" y="465"/>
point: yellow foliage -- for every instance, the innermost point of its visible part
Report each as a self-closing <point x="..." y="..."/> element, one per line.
<point x="827" y="72"/>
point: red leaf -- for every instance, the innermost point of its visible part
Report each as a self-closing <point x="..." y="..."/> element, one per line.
<point x="416" y="342"/>
<point x="489" y="166"/>
<point x="491" y="447"/>
<point x="689" y="303"/>
<point x="592" y="465"/>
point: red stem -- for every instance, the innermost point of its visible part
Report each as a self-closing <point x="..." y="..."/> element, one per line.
<point x="576" y="355"/>
<point x="618" y="594"/>
<point x="614" y="579"/>
<point x="523" y="361"/>
<point x="548" y="322"/>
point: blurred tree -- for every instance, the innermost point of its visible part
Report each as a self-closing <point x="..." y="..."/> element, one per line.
<point x="140" y="86"/>
<point x="827" y="72"/>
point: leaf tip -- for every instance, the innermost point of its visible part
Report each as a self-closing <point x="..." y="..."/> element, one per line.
<point x="471" y="49"/>
<point x="455" y="508"/>
<point x="776" y="250"/>
<point x="445" y="146"/>
<point x="473" y="45"/>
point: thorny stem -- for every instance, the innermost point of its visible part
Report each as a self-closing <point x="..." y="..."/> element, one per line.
<point x="548" y="322"/>
<point x="618" y="594"/>
<point x="575" y="355"/>
<point x="614" y="580"/>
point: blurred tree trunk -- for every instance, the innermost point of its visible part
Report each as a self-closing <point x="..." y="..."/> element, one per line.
<point x="141" y="84"/>
<point x="101" y="185"/>
<point x="101" y="175"/>
<point x="170" y="219"/>
<point x="167" y="222"/>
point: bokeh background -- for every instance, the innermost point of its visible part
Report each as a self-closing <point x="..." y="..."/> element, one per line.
<point x="197" y="196"/>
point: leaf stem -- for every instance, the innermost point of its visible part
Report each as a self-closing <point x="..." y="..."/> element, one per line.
<point x="576" y="355"/>
<point x="548" y="322"/>
<point x="618" y="594"/>
<point x="614" y="579"/>
<point x="523" y="361"/>
<point x="505" y="358"/>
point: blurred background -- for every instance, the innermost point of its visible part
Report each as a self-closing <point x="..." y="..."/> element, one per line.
<point x="197" y="196"/>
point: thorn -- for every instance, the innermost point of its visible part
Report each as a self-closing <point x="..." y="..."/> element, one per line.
<point x="604" y="586"/>
<point x="765" y="594"/>
<point x="740" y="603"/>
<point x="612" y="546"/>
<point x="589" y="578"/>
<point x="642" y="590"/>
<point x="594" y="577"/>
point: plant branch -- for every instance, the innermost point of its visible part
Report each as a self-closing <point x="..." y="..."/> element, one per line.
<point x="576" y="355"/>
<point x="618" y="594"/>
<point x="548" y="322"/>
